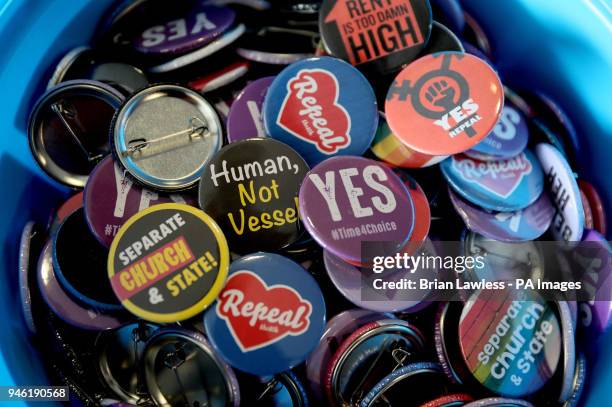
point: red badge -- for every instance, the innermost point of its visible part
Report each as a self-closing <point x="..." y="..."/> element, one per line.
<point x="596" y="204"/>
<point x="311" y="111"/>
<point x="422" y="211"/>
<point x="444" y="103"/>
<point x="588" y="214"/>
<point x="259" y="315"/>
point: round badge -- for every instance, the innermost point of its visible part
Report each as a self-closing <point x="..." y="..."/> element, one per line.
<point x="168" y="262"/>
<point x="518" y="226"/>
<point x="251" y="190"/>
<point x="424" y="379"/>
<point x="79" y="263"/>
<point x="164" y="135"/>
<point x="85" y="63"/>
<point x="444" y="103"/>
<point x="119" y="354"/>
<point x="579" y="381"/>
<point x="569" y="350"/>
<point x="508" y="138"/>
<point x="355" y="286"/>
<point x="68" y="129"/>
<point x="346" y="200"/>
<point x="321" y="107"/>
<point x="504" y="185"/>
<point x="588" y="213"/>
<point x="597" y="207"/>
<point x="499" y="402"/>
<point x="388" y="34"/>
<point x="388" y="148"/>
<point x="441" y="39"/>
<point x="222" y="42"/>
<point x="245" y="118"/>
<point x="450" y="400"/>
<point x="269" y="316"/>
<point x="111" y="198"/>
<point x="336" y="331"/>
<point x="446" y="344"/>
<point x="501" y="261"/>
<point x="63" y="305"/>
<point x="30" y="246"/>
<point x="378" y="348"/>
<point x="568" y="223"/>
<point x="181" y="368"/>
<point x="197" y="27"/>
<point x="594" y="257"/>
<point x="511" y="343"/>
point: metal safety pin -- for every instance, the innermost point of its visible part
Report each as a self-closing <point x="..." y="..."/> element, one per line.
<point x="269" y="387"/>
<point x="197" y="129"/>
<point x="398" y="354"/>
<point x="61" y="111"/>
<point x="140" y="335"/>
<point x="173" y="360"/>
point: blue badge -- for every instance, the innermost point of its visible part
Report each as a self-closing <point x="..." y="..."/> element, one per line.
<point x="516" y="226"/>
<point x="503" y="185"/>
<point x="321" y="107"/>
<point x="508" y="138"/>
<point x="269" y="316"/>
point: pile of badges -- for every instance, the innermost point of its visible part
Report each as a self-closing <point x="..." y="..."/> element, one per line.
<point x="229" y="157"/>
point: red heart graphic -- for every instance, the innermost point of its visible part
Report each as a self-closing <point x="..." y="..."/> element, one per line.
<point x="500" y="177"/>
<point x="310" y="111"/>
<point x="258" y="315"/>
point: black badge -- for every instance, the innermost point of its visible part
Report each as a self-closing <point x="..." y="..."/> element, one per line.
<point x="80" y="264"/>
<point x="442" y="39"/>
<point x="250" y="188"/>
<point x="391" y="33"/>
<point x="168" y="262"/>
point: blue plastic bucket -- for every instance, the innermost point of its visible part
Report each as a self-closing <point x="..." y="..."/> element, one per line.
<point x="562" y="47"/>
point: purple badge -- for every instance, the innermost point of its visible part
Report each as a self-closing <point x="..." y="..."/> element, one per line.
<point x="346" y="200"/>
<point x="594" y="257"/>
<point x="244" y="119"/>
<point x="365" y="292"/>
<point x="111" y="198"/>
<point x="518" y="226"/>
<point x="199" y="26"/>
<point x="508" y="138"/>
<point x="336" y="331"/>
